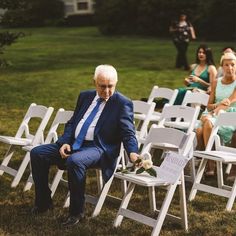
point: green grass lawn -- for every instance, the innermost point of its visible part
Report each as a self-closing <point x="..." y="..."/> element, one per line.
<point x="50" y="66"/>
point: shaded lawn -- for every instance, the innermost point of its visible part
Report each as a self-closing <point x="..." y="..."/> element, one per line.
<point x="51" y="66"/>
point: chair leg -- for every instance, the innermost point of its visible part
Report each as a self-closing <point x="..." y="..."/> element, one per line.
<point x="67" y="201"/>
<point x="228" y="168"/>
<point x="164" y="209"/>
<point x="102" y="197"/>
<point x="124" y="204"/>
<point x="6" y="159"/>
<point x="183" y="204"/>
<point x="21" y="170"/>
<point x="198" y="179"/>
<point x="29" y="183"/>
<point x="152" y="198"/>
<point x="231" y="199"/>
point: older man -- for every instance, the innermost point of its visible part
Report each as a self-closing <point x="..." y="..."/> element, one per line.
<point x="103" y="118"/>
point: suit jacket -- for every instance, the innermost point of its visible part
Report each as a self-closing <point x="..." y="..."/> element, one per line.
<point x="114" y="126"/>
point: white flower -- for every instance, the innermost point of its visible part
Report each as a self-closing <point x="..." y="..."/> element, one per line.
<point x="147" y="164"/>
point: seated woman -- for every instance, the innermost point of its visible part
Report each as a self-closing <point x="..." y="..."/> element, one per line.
<point x="202" y="75"/>
<point x="224" y="50"/>
<point x="222" y="97"/>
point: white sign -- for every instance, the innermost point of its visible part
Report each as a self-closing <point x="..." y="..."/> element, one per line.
<point x="172" y="166"/>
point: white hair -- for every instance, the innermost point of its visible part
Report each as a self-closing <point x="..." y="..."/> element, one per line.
<point x="107" y="71"/>
<point x="227" y="56"/>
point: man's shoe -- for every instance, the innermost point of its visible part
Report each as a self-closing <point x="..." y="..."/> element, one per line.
<point x="40" y="210"/>
<point x="73" y="220"/>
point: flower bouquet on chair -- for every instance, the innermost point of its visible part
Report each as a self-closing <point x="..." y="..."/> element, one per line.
<point x="142" y="164"/>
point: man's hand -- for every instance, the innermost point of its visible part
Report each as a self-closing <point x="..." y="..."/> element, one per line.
<point x="65" y="150"/>
<point x="133" y="156"/>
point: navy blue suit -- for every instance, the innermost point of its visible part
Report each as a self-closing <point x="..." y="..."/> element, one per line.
<point x="114" y="126"/>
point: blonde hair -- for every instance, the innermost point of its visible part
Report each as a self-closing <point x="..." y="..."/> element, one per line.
<point x="107" y="71"/>
<point x="227" y="56"/>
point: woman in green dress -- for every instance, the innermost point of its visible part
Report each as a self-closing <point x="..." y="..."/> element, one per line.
<point x="222" y="97"/>
<point x="203" y="73"/>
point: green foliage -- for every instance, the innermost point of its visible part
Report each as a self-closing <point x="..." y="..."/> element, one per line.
<point x="6" y="39"/>
<point x="212" y="19"/>
<point x="32" y="13"/>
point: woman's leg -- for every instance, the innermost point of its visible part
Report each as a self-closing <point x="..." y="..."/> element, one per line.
<point x="200" y="142"/>
<point x="207" y="128"/>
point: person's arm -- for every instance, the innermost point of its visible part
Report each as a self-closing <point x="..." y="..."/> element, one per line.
<point x="225" y="103"/>
<point x="187" y="80"/>
<point x="211" y="103"/>
<point x="128" y="130"/>
<point x="212" y="76"/>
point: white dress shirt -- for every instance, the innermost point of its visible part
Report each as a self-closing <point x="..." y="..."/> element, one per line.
<point x="90" y="133"/>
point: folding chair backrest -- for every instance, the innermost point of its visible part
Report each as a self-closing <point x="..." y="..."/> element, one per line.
<point x="35" y="111"/>
<point x="223" y="119"/>
<point x="162" y="136"/>
<point x="185" y="113"/>
<point x="166" y="93"/>
<point x="195" y="99"/>
<point x="142" y="115"/>
<point x="61" y="117"/>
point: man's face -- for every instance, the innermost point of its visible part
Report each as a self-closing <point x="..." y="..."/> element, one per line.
<point x="105" y="87"/>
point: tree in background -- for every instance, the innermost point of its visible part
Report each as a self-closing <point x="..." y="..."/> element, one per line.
<point x="23" y="13"/>
<point x="212" y="19"/>
<point x="6" y="39"/>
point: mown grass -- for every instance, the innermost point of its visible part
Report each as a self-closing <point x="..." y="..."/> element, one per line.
<point x="51" y="66"/>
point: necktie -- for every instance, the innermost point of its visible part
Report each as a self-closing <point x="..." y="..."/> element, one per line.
<point x="80" y="138"/>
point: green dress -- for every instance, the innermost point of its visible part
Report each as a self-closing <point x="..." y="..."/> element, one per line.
<point x="224" y="91"/>
<point x="204" y="76"/>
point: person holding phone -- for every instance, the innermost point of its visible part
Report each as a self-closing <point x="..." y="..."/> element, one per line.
<point x="203" y="73"/>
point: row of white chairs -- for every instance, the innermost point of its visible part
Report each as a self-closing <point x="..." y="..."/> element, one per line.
<point x="144" y="136"/>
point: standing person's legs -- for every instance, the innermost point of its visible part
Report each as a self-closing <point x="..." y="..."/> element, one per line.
<point x="42" y="157"/>
<point x="183" y="55"/>
<point x="178" y="63"/>
<point x="77" y="165"/>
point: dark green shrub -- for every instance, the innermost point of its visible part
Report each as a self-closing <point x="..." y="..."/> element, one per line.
<point x="6" y="39"/>
<point x="33" y="13"/>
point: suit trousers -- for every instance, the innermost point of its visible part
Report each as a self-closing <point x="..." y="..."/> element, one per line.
<point x="46" y="155"/>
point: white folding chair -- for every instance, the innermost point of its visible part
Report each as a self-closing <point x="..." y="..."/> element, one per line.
<point x="157" y="93"/>
<point x="158" y="136"/>
<point x="142" y="115"/>
<point x="24" y="137"/>
<point x="222" y="155"/>
<point x="182" y="115"/>
<point x="194" y="99"/>
<point x="103" y="188"/>
<point x="61" y="118"/>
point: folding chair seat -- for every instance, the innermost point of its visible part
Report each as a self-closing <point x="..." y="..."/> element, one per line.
<point x="194" y="99"/>
<point x="142" y="115"/>
<point x="103" y="188"/>
<point x="158" y="136"/>
<point x="61" y="118"/>
<point x="161" y="93"/>
<point x="221" y="155"/>
<point x="25" y="137"/>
